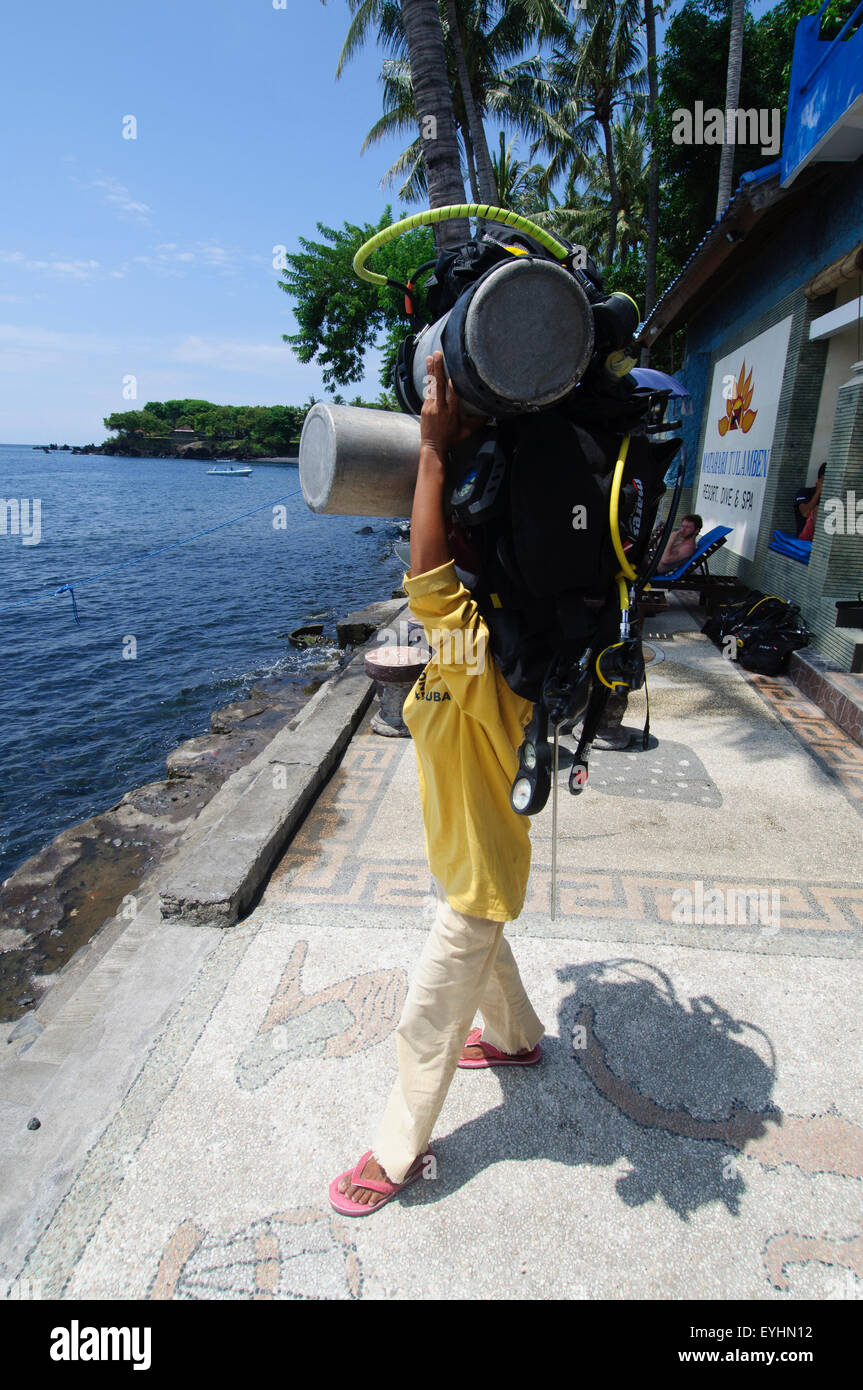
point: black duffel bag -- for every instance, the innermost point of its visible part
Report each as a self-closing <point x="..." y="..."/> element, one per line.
<point x="730" y="615"/>
<point x="769" y="653"/>
<point x="766" y="630"/>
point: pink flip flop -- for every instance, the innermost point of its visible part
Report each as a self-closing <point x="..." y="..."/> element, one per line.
<point x="343" y="1204"/>
<point x="493" y="1058"/>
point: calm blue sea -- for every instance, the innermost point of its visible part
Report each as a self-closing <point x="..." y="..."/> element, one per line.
<point x="79" y="724"/>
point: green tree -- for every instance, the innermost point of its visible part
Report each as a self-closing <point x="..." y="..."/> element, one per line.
<point x="650" y="12"/>
<point x="473" y="120"/>
<point x="631" y="173"/>
<point x="144" y="421"/>
<point x="694" y="68"/>
<point x="340" y="317"/>
<point x="518" y="185"/>
<point x="596" y="72"/>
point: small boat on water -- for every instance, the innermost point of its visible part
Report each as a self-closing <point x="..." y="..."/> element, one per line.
<point x="229" y="472"/>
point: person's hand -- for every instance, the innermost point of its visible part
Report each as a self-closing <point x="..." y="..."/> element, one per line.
<point x="442" y="423"/>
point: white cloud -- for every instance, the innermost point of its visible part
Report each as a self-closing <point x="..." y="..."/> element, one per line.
<point x="168" y="257"/>
<point x="119" y="197"/>
<point x="52" y="337"/>
<point x="79" y="270"/>
<point x="38" y="348"/>
<point x="230" y="356"/>
<point x="48" y="346"/>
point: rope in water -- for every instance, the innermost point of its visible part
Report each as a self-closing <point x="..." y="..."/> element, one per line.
<point x="74" y="584"/>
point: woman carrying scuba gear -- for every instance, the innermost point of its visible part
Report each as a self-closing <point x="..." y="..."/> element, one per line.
<point x="466" y="725"/>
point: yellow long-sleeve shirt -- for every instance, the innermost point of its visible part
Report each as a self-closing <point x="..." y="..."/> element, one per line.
<point x="467" y="726"/>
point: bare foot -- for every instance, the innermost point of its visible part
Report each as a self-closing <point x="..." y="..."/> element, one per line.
<point x="362" y="1195"/>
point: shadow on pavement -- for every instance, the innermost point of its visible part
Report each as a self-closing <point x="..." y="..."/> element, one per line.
<point x="636" y="1074"/>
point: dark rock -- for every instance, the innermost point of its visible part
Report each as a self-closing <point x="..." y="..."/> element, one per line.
<point x="310" y="635"/>
<point x="223" y="720"/>
<point x="34" y="1123"/>
<point x="365" y="531"/>
<point x="356" y="628"/>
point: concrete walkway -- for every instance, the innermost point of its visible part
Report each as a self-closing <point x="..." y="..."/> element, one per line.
<point x="695" y="1129"/>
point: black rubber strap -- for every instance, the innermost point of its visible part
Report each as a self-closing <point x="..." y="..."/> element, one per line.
<point x="645" y="734"/>
<point x="593" y="715"/>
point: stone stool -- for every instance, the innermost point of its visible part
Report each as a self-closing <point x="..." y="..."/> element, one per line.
<point x="394" y="669"/>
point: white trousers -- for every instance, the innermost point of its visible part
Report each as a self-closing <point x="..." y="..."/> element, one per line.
<point x="466" y="965"/>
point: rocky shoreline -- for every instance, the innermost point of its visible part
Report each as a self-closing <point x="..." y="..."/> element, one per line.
<point x="57" y="900"/>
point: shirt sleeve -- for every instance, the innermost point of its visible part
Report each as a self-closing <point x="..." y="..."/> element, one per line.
<point x="456" y="633"/>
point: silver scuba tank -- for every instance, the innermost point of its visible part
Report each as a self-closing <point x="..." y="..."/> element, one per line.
<point x="358" y="462"/>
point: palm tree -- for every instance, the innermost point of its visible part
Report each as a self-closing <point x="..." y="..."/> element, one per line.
<point x="424" y="38"/>
<point x="400" y="116"/>
<point x="583" y="217"/>
<point x="474" y="126"/>
<point x="481" y="37"/>
<point x="518" y="186"/>
<point x="732" y="96"/>
<point x="596" y="71"/>
<point x="653" y="172"/>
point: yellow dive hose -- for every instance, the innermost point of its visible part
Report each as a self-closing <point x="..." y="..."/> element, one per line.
<point x="448" y="214"/>
<point x="614" y="506"/>
<point x="626" y="570"/>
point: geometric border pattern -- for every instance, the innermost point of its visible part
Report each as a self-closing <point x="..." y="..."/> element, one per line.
<point x="322" y="868"/>
<point x="837" y="754"/>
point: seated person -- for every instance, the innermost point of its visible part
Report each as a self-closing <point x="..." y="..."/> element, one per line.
<point x="682" y="545"/>
<point x="806" y="505"/>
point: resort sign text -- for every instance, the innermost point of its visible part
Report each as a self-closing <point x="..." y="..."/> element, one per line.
<point x="738" y="437"/>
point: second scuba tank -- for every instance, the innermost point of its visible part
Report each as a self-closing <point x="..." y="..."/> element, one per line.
<point x="358" y="462"/>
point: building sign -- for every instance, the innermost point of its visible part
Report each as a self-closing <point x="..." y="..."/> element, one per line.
<point x="738" y="439"/>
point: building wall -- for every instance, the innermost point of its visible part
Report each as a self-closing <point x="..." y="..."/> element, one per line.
<point x="842" y="352"/>
<point x="763" y="291"/>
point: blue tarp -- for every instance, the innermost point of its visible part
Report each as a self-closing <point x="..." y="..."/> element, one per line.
<point x="786" y="544"/>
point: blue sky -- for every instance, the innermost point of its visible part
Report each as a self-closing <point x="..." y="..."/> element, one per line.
<point x="153" y="257"/>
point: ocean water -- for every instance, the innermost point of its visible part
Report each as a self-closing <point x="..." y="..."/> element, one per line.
<point x="80" y="723"/>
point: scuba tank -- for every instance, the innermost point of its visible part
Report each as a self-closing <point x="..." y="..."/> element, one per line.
<point x="358" y="462"/>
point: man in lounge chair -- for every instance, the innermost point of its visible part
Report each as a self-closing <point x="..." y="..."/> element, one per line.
<point x="682" y="545"/>
<point x="467" y="725"/>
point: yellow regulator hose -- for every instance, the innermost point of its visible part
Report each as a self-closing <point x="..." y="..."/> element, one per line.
<point x="449" y="214"/>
